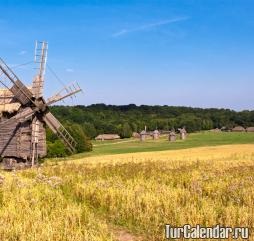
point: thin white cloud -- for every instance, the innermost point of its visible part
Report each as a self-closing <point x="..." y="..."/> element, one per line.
<point x="149" y="26"/>
<point x="22" y="52"/>
<point x="69" y="70"/>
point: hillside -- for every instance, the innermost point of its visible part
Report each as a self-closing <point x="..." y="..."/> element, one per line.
<point x="124" y="120"/>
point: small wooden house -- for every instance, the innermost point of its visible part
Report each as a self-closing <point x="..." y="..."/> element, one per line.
<point x="156" y="134"/>
<point x="238" y="129"/>
<point x="107" y="137"/>
<point x="183" y="133"/>
<point x="172" y="136"/>
<point x="250" y="129"/>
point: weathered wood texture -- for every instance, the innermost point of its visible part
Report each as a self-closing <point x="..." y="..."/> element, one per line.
<point x="21" y="92"/>
<point x="15" y="140"/>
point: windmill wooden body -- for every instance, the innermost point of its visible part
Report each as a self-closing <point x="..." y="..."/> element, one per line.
<point x="183" y="133"/>
<point x="156" y="134"/>
<point x="25" y="114"/>
<point x="172" y="135"/>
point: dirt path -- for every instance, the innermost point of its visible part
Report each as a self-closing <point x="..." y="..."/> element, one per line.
<point x="121" y="234"/>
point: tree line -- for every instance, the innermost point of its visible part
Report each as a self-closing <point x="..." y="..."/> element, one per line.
<point x="86" y="122"/>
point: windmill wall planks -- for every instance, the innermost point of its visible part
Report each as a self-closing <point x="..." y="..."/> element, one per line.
<point x="15" y="140"/>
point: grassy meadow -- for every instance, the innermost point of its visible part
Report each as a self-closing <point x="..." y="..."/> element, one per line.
<point x="131" y="196"/>
<point x="198" y="139"/>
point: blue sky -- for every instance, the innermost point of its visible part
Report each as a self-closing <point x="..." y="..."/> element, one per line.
<point x="173" y="52"/>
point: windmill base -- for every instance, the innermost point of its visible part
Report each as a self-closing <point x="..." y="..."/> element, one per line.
<point x="11" y="163"/>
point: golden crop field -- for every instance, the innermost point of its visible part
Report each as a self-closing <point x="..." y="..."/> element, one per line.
<point x="129" y="196"/>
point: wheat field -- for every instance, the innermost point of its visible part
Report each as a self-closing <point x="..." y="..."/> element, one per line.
<point x="89" y="199"/>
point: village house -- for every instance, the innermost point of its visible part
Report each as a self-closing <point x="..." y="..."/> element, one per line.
<point x="250" y="129"/>
<point x="107" y="137"/>
<point x="238" y="129"/>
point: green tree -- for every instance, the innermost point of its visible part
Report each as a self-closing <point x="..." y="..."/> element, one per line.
<point x="207" y="124"/>
<point x="89" y="129"/>
<point x="56" y="149"/>
<point x="83" y="144"/>
<point x="126" y="130"/>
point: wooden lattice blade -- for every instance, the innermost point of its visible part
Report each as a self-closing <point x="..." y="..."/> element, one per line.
<point x="59" y="129"/>
<point x="41" y="51"/>
<point x="67" y="91"/>
<point x="12" y="82"/>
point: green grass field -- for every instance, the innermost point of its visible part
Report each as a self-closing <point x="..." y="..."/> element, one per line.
<point x="194" y="140"/>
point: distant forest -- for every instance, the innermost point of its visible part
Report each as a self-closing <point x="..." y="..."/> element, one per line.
<point x="86" y="122"/>
<point x="125" y="119"/>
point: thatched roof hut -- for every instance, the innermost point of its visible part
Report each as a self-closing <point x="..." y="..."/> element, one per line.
<point x="238" y="129"/>
<point x="250" y="129"/>
<point x="107" y="137"/>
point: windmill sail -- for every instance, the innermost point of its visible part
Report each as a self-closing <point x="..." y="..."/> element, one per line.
<point x="59" y="129"/>
<point x="12" y="82"/>
<point x="67" y="91"/>
<point x="41" y="52"/>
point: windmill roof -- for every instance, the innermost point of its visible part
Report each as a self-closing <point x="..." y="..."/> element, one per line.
<point x="5" y="93"/>
<point x="250" y="129"/>
<point x="107" y="137"/>
<point x="7" y="101"/>
<point x="238" y="128"/>
<point x="10" y="107"/>
<point x="6" y="96"/>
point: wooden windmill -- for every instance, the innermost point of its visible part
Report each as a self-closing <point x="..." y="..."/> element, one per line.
<point x="26" y="113"/>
